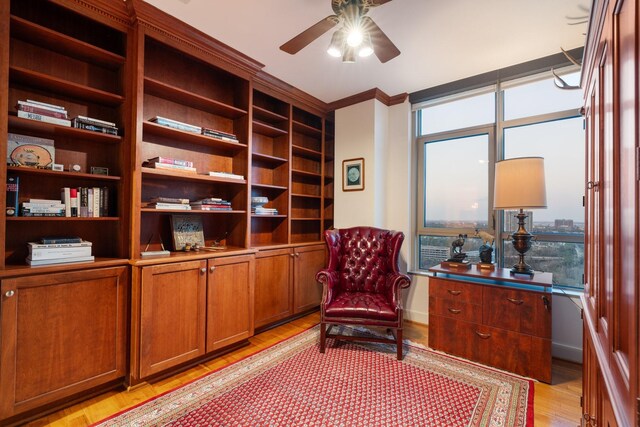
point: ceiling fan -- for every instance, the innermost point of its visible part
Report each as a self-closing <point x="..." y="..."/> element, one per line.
<point x="357" y="34"/>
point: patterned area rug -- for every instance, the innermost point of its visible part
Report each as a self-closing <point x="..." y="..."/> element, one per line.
<point x="352" y="384"/>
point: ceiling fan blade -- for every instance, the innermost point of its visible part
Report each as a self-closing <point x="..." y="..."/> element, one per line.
<point x="383" y="47"/>
<point x="310" y="34"/>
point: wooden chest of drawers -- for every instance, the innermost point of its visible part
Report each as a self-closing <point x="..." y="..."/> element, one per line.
<point x="493" y="318"/>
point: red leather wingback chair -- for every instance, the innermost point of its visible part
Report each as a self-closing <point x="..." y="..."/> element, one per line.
<point x="362" y="284"/>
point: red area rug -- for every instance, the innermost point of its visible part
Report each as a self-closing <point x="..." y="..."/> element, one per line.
<point x="352" y="384"/>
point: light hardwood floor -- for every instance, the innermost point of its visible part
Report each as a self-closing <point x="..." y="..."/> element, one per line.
<point x="557" y="404"/>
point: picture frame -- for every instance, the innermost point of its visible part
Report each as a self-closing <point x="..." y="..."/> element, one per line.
<point x="99" y="170"/>
<point x="353" y="174"/>
<point x="186" y="230"/>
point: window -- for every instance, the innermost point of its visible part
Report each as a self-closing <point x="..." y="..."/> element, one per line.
<point x="459" y="141"/>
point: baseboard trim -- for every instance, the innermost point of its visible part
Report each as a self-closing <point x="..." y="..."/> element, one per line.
<point x="566" y="352"/>
<point x="417" y="316"/>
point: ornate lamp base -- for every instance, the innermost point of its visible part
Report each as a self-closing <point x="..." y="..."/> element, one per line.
<point x="522" y="243"/>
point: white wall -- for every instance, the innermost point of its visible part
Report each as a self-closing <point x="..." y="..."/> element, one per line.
<point x="382" y="136"/>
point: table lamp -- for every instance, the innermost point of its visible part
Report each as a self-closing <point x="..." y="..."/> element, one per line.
<point x="520" y="184"/>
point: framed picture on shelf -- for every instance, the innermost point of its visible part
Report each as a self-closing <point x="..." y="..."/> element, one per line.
<point x="353" y="174"/>
<point x="187" y="231"/>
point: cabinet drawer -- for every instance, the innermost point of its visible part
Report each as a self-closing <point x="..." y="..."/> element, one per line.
<point x="455" y="309"/>
<point x="450" y="335"/>
<point x="455" y="291"/>
<point x="516" y="310"/>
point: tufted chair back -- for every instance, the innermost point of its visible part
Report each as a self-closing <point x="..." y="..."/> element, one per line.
<point x="363" y="257"/>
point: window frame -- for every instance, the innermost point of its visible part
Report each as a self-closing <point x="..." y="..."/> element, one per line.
<point x="495" y="132"/>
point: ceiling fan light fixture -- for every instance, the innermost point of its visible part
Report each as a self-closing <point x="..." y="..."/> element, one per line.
<point x="366" y="48"/>
<point x="336" y="45"/>
<point x="349" y="55"/>
<point x="355" y="37"/>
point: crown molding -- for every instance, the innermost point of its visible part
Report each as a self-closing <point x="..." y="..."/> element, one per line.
<point x="374" y="93"/>
<point x="271" y="85"/>
<point x="108" y="12"/>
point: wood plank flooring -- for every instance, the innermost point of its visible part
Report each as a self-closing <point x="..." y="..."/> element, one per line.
<point x="557" y="404"/>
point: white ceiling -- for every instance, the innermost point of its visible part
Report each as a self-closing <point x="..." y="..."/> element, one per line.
<point x="440" y="40"/>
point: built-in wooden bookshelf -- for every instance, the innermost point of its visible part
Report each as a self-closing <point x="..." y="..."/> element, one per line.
<point x="63" y="58"/>
<point x="328" y="172"/>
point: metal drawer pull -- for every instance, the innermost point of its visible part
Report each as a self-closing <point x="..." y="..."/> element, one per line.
<point x="453" y="292"/>
<point x="483" y="336"/>
<point x="10" y="293"/>
<point x="454" y="310"/>
<point x="515" y="301"/>
<point x="203" y="270"/>
<point x="211" y="268"/>
<point x="547" y="303"/>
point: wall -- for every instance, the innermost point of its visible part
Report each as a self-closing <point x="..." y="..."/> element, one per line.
<point x="382" y="136"/>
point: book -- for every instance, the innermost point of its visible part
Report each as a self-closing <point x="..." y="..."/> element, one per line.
<point x="36" y="245"/>
<point x="59" y="260"/>
<point x="96" y="202"/>
<point x="44" y="209"/>
<point x="60" y="239"/>
<point x="45" y="105"/>
<point x="36" y="109"/>
<point x="73" y="197"/>
<point x="93" y="127"/>
<point x="43" y="118"/>
<point x="89" y="202"/>
<point x="37" y="254"/>
<point x="55" y="204"/>
<point x="104" y="202"/>
<point x="13" y="185"/>
<point x="44" y="201"/>
<point x="179" y="206"/>
<point x="170" y="161"/>
<point x="207" y="200"/>
<point x="166" y="166"/>
<point x="219" y="135"/>
<point x="212" y="208"/>
<point x="27" y="150"/>
<point x="176" y="124"/>
<point x="83" y="206"/>
<point x="65" y="197"/>
<point x="96" y="121"/>
<point x="226" y="175"/>
<point x="161" y="199"/>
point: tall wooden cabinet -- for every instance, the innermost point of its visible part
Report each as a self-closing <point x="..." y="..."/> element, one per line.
<point x="611" y="298"/>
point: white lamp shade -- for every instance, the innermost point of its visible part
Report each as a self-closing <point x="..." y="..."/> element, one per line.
<point x="520" y="184"/>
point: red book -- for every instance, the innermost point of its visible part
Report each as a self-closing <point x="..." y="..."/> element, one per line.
<point x="73" y="199"/>
<point x="42" y="111"/>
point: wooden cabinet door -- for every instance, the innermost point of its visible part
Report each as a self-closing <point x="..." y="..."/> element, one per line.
<point x="229" y="300"/>
<point x="172" y="315"/>
<point x="516" y="310"/>
<point x="61" y="334"/>
<point x="307" y="292"/>
<point x="273" y="286"/>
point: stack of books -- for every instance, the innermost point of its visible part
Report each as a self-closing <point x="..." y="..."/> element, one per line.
<point x="169" y="203"/>
<point x="264" y="211"/>
<point x="42" y="207"/>
<point x="168" y="163"/>
<point x="59" y="250"/>
<point x="211" y="204"/>
<point x="94" y="125"/>
<point x="218" y="134"/>
<point x="163" y="121"/>
<point x="43" y="112"/>
<point x="226" y="175"/>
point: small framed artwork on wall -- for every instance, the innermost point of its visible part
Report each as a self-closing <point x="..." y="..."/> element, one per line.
<point x="353" y="174"/>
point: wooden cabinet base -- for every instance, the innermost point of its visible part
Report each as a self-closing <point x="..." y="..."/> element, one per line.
<point x="506" y="325"/>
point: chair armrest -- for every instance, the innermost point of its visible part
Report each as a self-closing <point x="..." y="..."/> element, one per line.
<point x="329" y="280"/>
<point x="395" y="283"/>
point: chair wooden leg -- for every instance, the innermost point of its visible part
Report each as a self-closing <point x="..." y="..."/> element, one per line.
<point x="323" y="336"/>
<point x="399" y="343"/>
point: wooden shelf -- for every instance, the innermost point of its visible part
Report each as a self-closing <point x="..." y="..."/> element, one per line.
<point x="18" y="123"/>
<point x="193" y="138"/>
<point x="268" y="216"/>
<point x="61" y="43"/>
<point x="268" y="115"/>
<point x="62" y="218"/>
<point x="12" y="270"/>
<point x="307" y="196"/>
<point x="171" y="175"/>
<point x="268" y="186"/>
<point x="192" y="211"/>
<point x="267" y="130"/>
<point x="63" y="87"/>
<point x="305" y="219"/>
<point x="306" y="129"/>
<point x="181" y="96"/>
<point x="51" y="173"/>
<point x="305" y="173"/>
<point x="306" y="152"/>
<point x="269" y="159"/>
